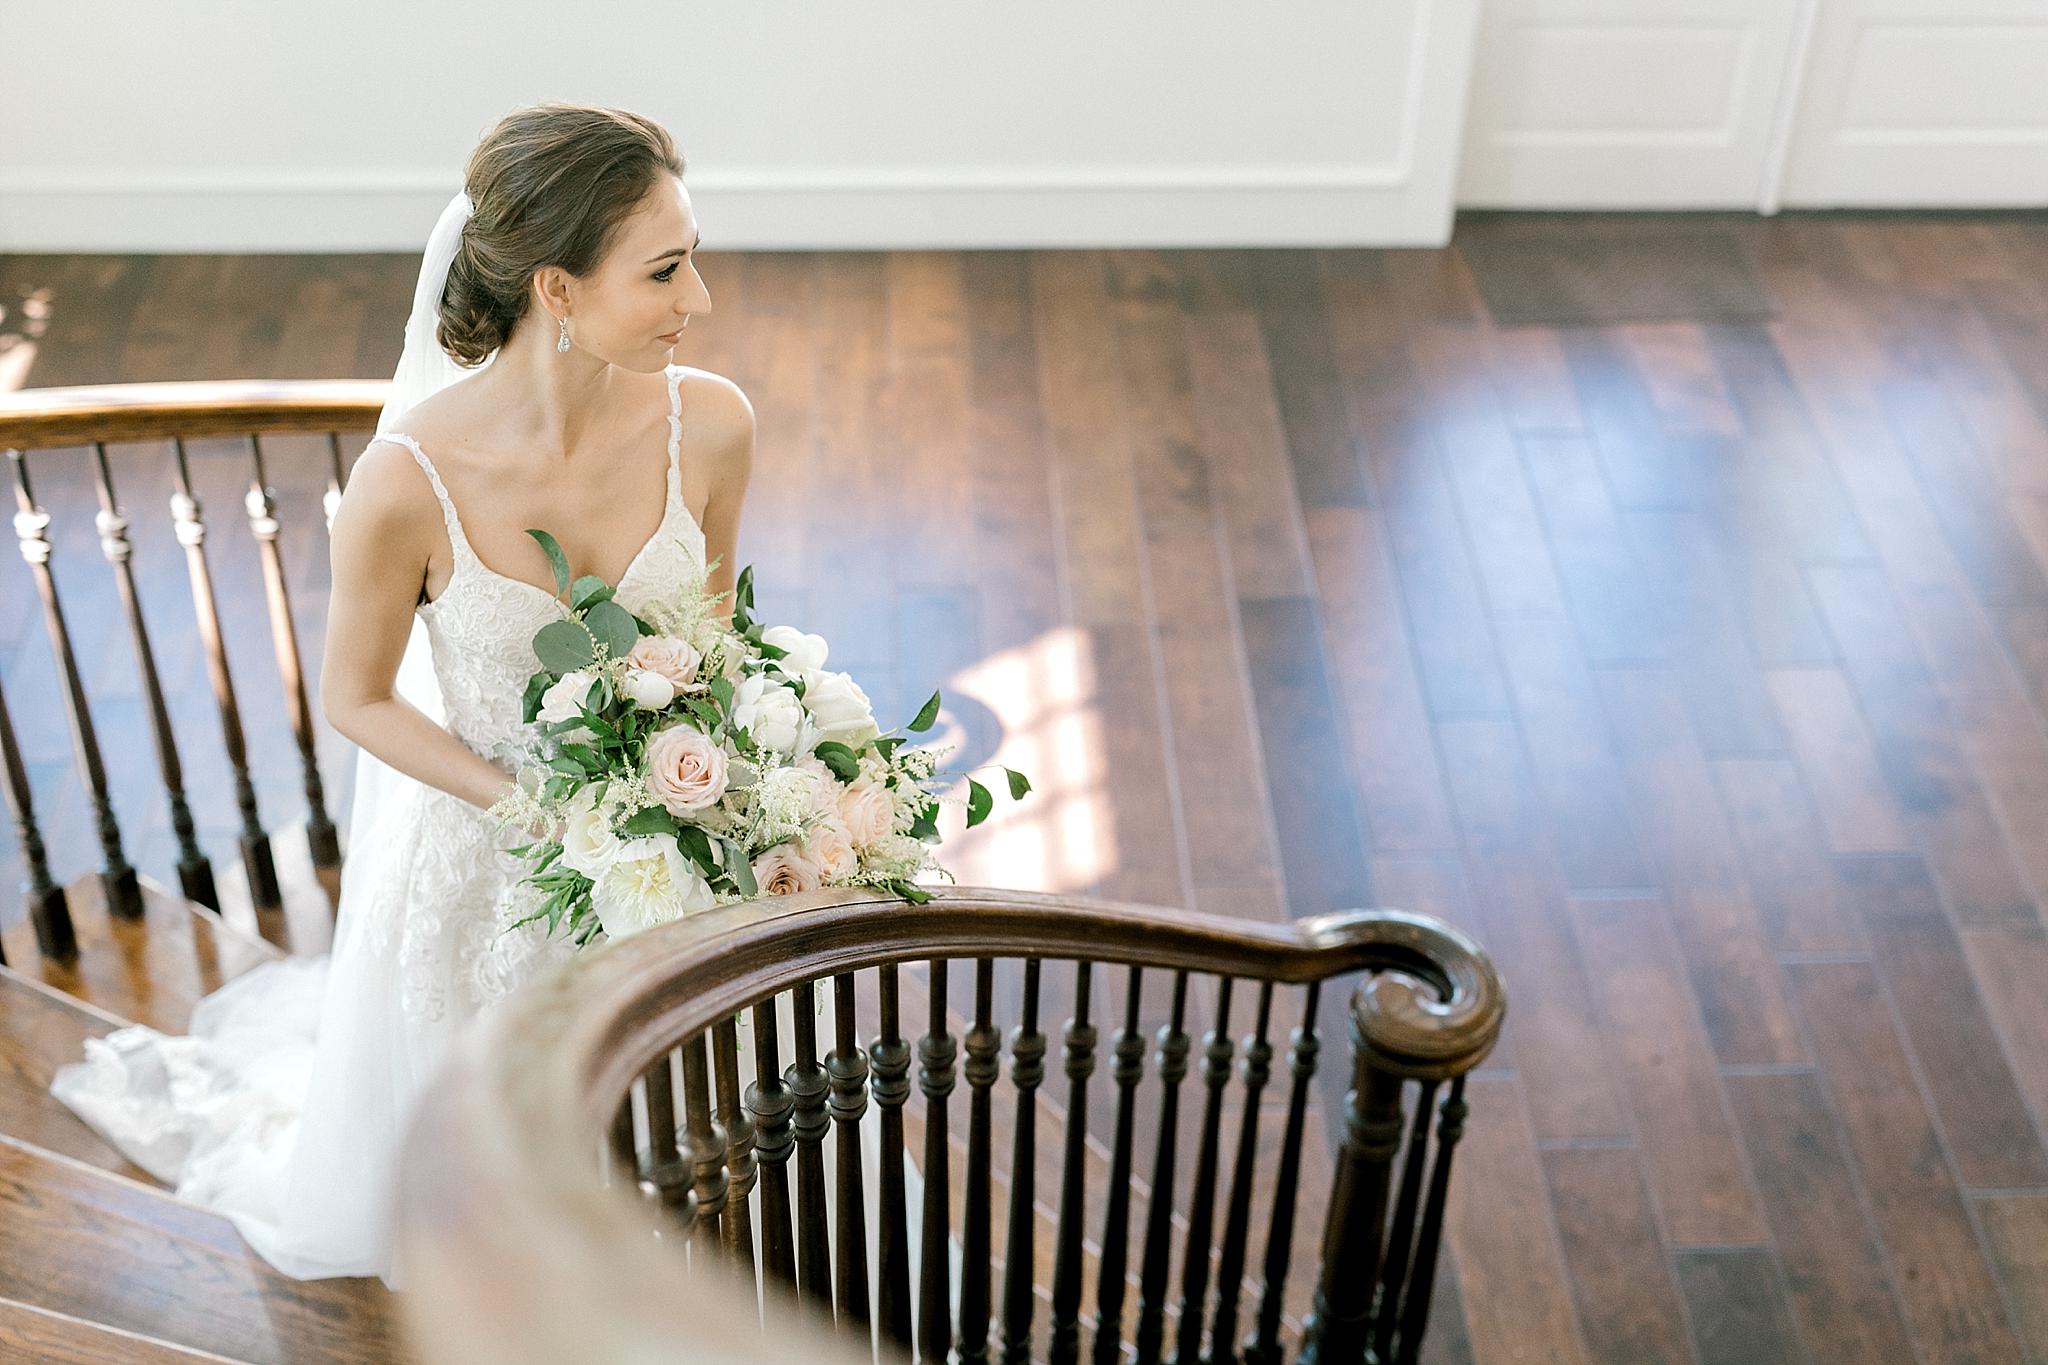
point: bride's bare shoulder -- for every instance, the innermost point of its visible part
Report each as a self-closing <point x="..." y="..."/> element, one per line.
<point x="388" y="495"/>
<point x="718" y="420"/>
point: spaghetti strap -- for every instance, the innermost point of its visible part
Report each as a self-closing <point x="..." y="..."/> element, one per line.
<point x="456" y="538"/>
<point x="675" y="440"/>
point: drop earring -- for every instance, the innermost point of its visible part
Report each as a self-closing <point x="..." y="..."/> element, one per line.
<point x="562" y="342"/>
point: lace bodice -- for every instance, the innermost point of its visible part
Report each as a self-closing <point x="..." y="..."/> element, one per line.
<point x="483" y="623"/>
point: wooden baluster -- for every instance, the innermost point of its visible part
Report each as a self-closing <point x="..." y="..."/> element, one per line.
<point x="1127" y="1071"/>
<point x="771" y="1103"/>
<point x="261" y="505"/>
<point x="1217" y="1051"/>
<point x="1064" y="1347"/>
<point x="258" y="865"/>
<point x="891" y="1060"/>
<point x="1172" y="1062"/>
<point x="31" y="525"/>
<point x="847" y="1068"/>
<point x="738" y="1131"/>
<point x="48" y="911"/>
<point x="1258" y="1065"/>
<point x="707" y="1152"/>
<point x="984" y="1049"/>
<point x="621" y="1148"/>
<point x="806" y="1082"/>
<point x="1027" y="1069"/>
<point x="195" y="873"/>
<point x="668" y="1171"/>
<point x="1415" y="1303"/>
<point x="1335" y="1331"/>
<point x="935" y="1054"/>
<point x="1401" y="1235"/>
<point x="1264" y="1346"/>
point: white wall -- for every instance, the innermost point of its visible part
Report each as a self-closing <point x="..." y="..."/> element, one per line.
<point x="221" y="126"/>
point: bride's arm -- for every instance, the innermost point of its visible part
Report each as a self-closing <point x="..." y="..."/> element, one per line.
<point x="727" y="446"/>
<point x="385" y="528"/>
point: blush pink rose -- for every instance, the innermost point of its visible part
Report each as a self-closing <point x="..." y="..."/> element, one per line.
<point x="867" y="810"/>
<point x="685" y="769"/>
<point x="786" y="869"/>
<point x="831" y="849"/>
<point x="673" y="659"/>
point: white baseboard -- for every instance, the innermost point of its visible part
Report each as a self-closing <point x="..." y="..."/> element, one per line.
<point x="937" y="209"/>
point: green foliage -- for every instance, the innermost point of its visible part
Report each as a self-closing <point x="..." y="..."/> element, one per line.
<point x="979" y="803"/>
<point x="587" y="592"/>
<point x="843" y="762"/>
<point x="926" y="715"/>
<point x="556" y="558"/>
<point x="563" y="647"/>
<point x="612" y="626"/>
<point x="651" y="820"/>
<point x="1019" y="784"/>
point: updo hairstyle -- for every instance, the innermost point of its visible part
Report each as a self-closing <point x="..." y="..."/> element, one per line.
<point x="551" y="183"/>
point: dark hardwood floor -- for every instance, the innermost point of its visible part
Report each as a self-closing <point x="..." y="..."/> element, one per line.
<point x="1698" y="663"/>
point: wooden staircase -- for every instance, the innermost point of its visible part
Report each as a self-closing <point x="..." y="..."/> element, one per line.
<point x="98" y="1261"/>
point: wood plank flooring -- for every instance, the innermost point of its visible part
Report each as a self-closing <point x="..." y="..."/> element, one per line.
<point x="1699" y="665"/>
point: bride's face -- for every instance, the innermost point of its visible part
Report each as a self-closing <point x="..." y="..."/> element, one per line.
<point x="630" y="309"/>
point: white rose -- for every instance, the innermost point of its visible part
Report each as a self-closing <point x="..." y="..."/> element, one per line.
<point x="840" y="708"/>
<point x="803" y="653"/>
<point x="649" y="882"/>
<point x="560" y="701"/>
<point x="648" y="690"/>
<point x="589" y="845"/>
<point x="769" y="712"/>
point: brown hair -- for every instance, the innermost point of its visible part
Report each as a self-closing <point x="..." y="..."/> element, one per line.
<point x="551" y="184"/>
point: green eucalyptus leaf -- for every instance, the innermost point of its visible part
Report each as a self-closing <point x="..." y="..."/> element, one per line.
<point x="742" y="871"/>
<point x="563" y="647"/>
<point x="556" y="558"/>
<point x="612" y="626"/>
<point x="588" y="591"/>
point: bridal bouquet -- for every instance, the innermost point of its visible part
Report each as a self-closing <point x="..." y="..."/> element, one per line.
<point x="684" y="761"/>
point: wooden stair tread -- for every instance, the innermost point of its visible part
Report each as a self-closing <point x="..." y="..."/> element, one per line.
<point x="150" y="970"/>
<point x="36" y="1336"/>
<point x="96" y="1246"/>
<point x="41" y="1029"/>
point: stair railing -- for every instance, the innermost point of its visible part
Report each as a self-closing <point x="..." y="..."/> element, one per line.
<point x="582" y="1168"/>
<point x="45" y="430"/>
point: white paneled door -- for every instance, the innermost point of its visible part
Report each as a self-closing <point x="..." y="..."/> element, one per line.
<point x="1627" y="103"/>
<point x="1914" y="103"/>
<point x="1758" y="104"/>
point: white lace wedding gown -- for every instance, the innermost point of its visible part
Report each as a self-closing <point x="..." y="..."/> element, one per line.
<point x="284" y="1106"/>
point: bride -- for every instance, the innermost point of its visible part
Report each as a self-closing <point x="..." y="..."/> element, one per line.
<point x="536" y="389"/>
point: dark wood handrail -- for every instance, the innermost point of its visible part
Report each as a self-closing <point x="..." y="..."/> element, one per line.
<point x="40" y="418"/>
<point x="519" y="1252"/>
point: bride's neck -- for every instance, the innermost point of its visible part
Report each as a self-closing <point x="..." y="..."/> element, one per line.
<point x="555" y="401"/>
